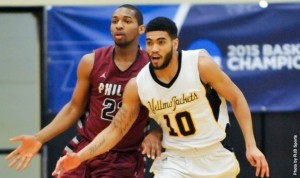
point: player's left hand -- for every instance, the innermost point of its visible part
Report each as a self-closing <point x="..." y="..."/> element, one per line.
<point x="151" y="145"/>
<point x="66" y="163"/>
<point x="257" y="159"/>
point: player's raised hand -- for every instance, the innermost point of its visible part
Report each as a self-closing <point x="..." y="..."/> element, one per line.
<point x="25" y="152"/>
<point x="257" y="159"/>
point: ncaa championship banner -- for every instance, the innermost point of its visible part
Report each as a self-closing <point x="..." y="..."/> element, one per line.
<point x="259" y="48"/>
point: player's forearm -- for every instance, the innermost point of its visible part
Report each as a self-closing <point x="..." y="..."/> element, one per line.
<point x="243" y="116"/>
<point x="63" y="120"/>
<point x="111" y="135"/>
<point x="102" y="143"/>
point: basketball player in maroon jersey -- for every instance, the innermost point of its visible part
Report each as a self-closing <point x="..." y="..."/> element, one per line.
<point x="101" y="78"/>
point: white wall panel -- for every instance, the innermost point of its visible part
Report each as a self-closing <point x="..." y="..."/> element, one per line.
<point x="19" y="77"/>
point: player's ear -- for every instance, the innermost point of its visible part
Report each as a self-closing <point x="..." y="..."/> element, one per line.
<point x="175" y="43"/>
<point x="142" y="29"/>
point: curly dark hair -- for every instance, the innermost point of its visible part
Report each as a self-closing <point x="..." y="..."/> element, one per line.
<point x="163" y="24"/>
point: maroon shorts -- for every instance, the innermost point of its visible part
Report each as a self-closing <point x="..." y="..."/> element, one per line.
<point x="113" y="164"/>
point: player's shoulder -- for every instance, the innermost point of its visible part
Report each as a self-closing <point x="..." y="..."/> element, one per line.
<point x="86" y="62"/>
<point x="87" y="58"/>
<point x="197" y="52"/>
<point x="103" y="52"/>
<point x="144" y="74"/>
<point x="201" y="56"/>
<point x="205" y="60"/>
<point x="104" y="49"/>
<point x="145" y="69"/>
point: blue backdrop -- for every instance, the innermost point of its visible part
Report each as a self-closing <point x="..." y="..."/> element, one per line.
<point x="259" y="48"/>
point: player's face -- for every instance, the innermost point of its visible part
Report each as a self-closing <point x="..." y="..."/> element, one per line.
<point x="124" y="27"/>
<point x="159" y="47"/>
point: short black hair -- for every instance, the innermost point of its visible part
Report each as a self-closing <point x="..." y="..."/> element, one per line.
<point x="163" y="24"/>
<point x="138" y="13"/>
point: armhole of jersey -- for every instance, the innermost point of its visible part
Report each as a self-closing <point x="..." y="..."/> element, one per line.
<point x="211" y="95"/>
<point x="97" y="53"/>
<point x="92" y="70"/>
<point x="197" y="64"/>
<point x="201" y="52"/>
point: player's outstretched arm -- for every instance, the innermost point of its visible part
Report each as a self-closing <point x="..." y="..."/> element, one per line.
<point x="217" y="79"/>
<point x="31" y="144"/>
<point x="110" y="136"/>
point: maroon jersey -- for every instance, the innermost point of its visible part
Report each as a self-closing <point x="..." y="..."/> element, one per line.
<point x="107" y="86"/>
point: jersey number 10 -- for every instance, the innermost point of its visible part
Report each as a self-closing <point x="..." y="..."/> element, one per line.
<point x="184" y="122"/>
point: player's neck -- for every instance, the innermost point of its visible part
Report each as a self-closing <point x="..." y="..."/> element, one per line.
<point x="124" y="59"/>
<point x="127" y="53"/>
